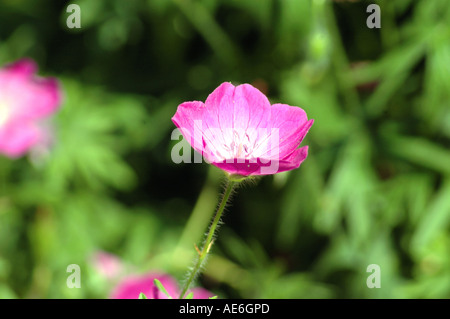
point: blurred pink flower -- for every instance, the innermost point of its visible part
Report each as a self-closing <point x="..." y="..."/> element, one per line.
<point x="237" y="130"/>
<point x="130" y="287"/>
<point x="25" y="100"/>
<point x="108" y="265"/>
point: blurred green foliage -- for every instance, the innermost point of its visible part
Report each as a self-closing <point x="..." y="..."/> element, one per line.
<point x="375" y="188"/>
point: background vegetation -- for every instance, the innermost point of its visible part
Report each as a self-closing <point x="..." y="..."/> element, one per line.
<point x="375" y="188"/>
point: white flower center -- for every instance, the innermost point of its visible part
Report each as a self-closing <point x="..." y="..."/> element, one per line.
<point x="240" y="146"/>
<point x="247" y="144"/>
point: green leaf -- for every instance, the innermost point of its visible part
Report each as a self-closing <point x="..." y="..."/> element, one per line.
<point x="142" y="296"/>
<point x="434" y="221"/>
<point x="213" y="297"/>
<point x="420" y="151"/>
<point x="161" y="288"/>
<point x="190" y="296"/>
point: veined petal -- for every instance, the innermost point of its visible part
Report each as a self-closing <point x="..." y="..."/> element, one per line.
<point x="191" y="120"/>
<point x="293" y="160"/>
<point x="288" y="127"/>
<point x="225" y="90"/>
<point x="188" y="119"/>
<point x="265" y="166"/>
<point x="252" y="111"/>
<point x="244" y="169"/>
<point x="238" y="107"/>
<point x="220" y="106"/>
<point x="252" y="108"/>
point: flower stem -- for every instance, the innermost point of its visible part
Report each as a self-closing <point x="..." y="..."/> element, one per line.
<point x="209" y="238"/>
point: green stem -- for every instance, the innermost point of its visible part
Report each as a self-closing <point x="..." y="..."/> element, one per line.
<point x="209" y="238"/>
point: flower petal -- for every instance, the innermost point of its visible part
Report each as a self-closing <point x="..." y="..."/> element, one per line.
<point x="47" y="97"/>
<point x="130" y="287"/>
<point x="252" y="108"/>
<point x="188" y="119"/>
<point x="191" y="120"/>
<point x="237" y="107"/>
<point x="244" y="169"/>
<point x="251" y="113"/>
<point x="28" y="96"/>
<point x="220" y="110"/>
<point x="265" y="166"/>
<point x="23" y="68"/>
<point x="293" y="160"/>
<point x="16" y="138"/>
<point x="288" y="127"/>
<point x="201" y="293"/>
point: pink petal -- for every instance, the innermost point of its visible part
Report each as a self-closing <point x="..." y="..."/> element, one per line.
<point x="29" y="98"/>
<point x="293" y="160"/>
<point x="47" y="97"/>
<point x="16" y="138"/>
<point x="220" y="110"/>
<point x="189" y="119"/>
<point x="237" y="107"/>
<point x="132" y="286"/>
<point x="225" y="90"/>
<point x="252" y="111"/>
<point x="235" y="168"/>
<point x="201" y="293"/>
<point x="291" y="124"/>
<point x="265" y="166"/>
<point x="23" y="68"/>
<point x="108" y="265"/>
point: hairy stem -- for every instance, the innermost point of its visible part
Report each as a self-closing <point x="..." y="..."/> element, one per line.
<point x="209" y="238"/>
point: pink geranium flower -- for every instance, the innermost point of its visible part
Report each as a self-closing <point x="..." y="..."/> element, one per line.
<point x="239" y="131"/>
<point x="25" y="100"/>
<point x="107" y="265"/>
<point x="130" y="288"/>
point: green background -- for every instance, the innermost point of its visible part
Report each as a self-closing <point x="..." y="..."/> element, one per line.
<point x="375" y="188"/>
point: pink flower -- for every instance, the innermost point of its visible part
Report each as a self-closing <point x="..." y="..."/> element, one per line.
<point x="25" y="100"/>
<point x="237" y="130"/>
<point x="130" y="288"/>
<point x="108" y="265"/>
